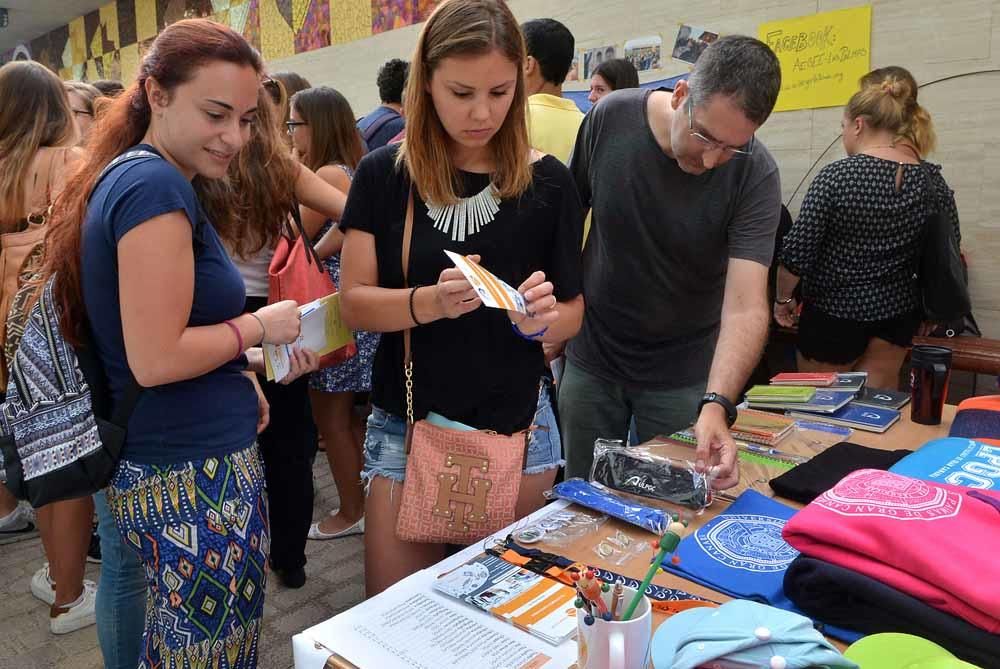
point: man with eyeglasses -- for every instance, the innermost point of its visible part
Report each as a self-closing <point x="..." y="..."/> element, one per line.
<point x="685" y="205"/>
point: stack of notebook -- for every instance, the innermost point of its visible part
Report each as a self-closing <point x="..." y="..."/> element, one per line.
<point x="817" y="379"/>
<point x="853" y="381"/>
<point x="798" y="398"/>
<point x="761" y="427"/>
<point x="860" y="416"/>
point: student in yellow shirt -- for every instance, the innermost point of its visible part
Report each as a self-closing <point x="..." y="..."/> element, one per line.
<point x="552" y="119"/>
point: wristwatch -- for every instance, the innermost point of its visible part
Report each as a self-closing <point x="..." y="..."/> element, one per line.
<point x="721" y="401"/>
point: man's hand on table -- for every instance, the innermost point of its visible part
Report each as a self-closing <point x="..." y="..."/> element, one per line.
<point x="716" y="448"/>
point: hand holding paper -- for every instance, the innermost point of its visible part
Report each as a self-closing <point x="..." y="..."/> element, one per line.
<point x="540" y="304"/>
<point x="493" y="291"/>
<point x="454" y="294"/>
<point x="322" y="331"/>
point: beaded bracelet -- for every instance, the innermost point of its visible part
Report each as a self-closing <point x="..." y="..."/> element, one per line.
<point x="529" y="337"/>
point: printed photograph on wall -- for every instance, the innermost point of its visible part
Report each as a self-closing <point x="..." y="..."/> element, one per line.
<point x="594" y="57"/>
<point x="691" y="41"/>
<point x="574" y="69"/>
<point x="644" y="52"/>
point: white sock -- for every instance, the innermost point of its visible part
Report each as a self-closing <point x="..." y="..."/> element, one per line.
<point x="72" y="604"/>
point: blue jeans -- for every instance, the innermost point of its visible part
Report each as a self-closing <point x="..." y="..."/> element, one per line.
<point x="121" y="594"/>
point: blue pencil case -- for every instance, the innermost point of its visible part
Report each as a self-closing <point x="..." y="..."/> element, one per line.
<point x="597" y="497"/>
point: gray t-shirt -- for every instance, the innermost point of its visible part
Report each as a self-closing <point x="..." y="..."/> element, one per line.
<point x="655" y="262"/>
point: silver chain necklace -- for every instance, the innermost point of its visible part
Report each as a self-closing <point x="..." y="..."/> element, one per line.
<point x="467" y="216"/>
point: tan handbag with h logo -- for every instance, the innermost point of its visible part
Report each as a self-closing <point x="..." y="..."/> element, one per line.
<point x="460" y="486"/>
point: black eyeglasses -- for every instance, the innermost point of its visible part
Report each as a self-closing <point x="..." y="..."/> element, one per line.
<point x="292" y="125"/>
<point x="711" y="144"/>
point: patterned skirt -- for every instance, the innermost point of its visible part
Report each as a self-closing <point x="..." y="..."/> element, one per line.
<point x="355" y="373"/>
<point x="200" y="529"/>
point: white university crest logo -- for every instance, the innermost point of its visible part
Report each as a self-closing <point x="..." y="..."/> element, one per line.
<point x="749" y="541"/>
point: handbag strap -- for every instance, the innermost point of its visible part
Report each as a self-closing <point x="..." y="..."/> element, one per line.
<point x="311" y="255"/>
<point x="407" y="350"/>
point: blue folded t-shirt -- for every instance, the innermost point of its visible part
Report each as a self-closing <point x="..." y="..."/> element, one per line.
<point x="956" y="461"/>
<point x="741" y="553"/>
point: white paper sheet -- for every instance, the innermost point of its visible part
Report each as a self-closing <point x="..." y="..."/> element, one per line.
<point x="409" y="626"/>
<point x="323" y="331"/>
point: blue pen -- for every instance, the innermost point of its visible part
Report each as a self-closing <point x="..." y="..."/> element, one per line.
<point x="765" y="450"/>
<point x="839" y="430"/>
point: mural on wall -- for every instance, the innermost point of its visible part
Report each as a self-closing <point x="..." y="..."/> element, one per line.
<point x="108" y="43"/>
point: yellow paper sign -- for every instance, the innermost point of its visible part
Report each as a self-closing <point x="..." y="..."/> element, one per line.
<point x="822" y="56"/>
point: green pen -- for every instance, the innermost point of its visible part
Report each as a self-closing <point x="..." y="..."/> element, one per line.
<point x="667" y="544"/>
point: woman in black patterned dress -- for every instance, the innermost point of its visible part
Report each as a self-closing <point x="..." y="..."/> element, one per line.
<point x="856" y="242"/>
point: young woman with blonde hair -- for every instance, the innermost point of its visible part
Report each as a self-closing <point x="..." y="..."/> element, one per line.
<point x="466" y="146"/>
<point x="855" y="244"/>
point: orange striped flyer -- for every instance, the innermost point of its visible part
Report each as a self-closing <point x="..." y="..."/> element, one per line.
<point x="492" y="290"/>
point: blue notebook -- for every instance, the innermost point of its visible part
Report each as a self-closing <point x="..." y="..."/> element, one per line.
<point x="858" y="416"/>
<point x="741" y="553"/>
<point x="956" y="461"/>
<point x="824" y="401"/>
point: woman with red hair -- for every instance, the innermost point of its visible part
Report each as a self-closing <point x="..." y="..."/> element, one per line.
<point x="141" y="263"/>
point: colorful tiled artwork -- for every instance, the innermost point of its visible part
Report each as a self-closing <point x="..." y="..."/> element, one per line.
<point x="109" y="42"/>
<point x="350" y="20"/>
<point x="391" y="14"/>
<point x="277" y="39"/>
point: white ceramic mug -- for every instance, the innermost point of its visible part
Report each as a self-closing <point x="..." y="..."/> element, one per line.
<point x="615" y="644"/>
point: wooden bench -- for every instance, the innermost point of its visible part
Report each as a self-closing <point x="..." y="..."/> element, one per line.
<point x="970" y="354"/>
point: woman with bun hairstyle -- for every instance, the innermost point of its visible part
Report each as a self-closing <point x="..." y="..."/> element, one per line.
<point x="859" y="233"/>
<point x="138" y="261"/>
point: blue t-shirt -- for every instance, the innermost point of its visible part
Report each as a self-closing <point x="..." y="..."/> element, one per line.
<point x="207" y="416"/>
<point x="955" y="461"/>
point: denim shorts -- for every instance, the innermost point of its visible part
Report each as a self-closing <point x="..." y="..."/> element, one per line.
<point x="385" y="453"/>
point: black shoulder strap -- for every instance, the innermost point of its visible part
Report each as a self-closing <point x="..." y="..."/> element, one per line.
<point x="373" y="129"/>
<point x="128" y="156"/>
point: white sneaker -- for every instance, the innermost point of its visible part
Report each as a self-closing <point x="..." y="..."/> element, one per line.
<point x="19" y="525"/>
<point x="82" y="615"/>
<point x="42" y="586"/>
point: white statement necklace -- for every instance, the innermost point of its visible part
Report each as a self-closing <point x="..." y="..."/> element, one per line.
<point x="467" y="216"/>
